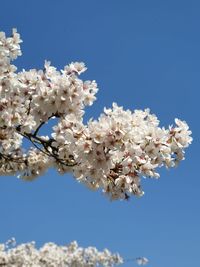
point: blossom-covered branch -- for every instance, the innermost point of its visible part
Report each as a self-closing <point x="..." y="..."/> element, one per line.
<point x="111" y="153"/>
<point x="52" y="255"/>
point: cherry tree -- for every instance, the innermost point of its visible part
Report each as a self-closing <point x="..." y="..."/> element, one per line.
<point x="111" y="153"/>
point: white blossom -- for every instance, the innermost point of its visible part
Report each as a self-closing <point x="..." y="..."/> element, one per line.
<point x="111" y="153"/>
<point x="142" y="261"/>
<point x="52" y="255"/>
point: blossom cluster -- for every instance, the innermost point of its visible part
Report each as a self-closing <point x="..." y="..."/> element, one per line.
<point x="52" y="255"/>
<point x="111" y="153"/>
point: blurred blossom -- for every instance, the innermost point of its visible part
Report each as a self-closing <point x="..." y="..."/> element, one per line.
<point x="142" y="261"/>
<point x="26" y="255"/>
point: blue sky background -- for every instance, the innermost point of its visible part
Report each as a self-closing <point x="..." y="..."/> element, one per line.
<point x="142" y="53"/>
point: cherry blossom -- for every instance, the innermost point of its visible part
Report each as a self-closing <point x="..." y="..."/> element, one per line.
<point x="52" y="255"/>
<point x="142" y="261"/>
<point x="111" y="153"/>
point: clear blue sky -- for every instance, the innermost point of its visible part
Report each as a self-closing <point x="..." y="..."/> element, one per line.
<point x="142" y="53"/>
